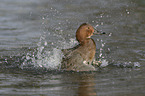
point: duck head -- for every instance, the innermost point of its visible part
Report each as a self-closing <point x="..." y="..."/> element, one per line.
<point x="84" y="32"/>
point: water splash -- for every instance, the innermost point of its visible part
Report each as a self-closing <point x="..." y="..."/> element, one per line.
<point x="40" y="57"/>
<point x="45" y="57"/>
<point x="104" y="63"/>
<point x="101" y="55"/>
<point x="127" y="64"/>
<point x="114" y="63"/>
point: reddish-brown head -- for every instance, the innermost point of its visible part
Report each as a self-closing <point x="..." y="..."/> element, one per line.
<point x="84" y="32"/>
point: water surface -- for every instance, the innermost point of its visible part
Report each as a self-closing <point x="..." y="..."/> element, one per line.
<point x="33" y="32"/>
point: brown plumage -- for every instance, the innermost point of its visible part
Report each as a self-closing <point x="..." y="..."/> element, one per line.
<point x="80" y="57"/>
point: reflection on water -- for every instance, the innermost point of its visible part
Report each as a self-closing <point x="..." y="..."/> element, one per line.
<point x="83" y="84"/>
<point x="33" y="32"/>
<point x="87" y="85"/>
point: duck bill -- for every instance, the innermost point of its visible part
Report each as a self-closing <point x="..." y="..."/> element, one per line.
<point x="97" y="32"/>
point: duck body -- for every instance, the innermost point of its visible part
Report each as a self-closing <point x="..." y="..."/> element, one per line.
<point x="81" y="56"/>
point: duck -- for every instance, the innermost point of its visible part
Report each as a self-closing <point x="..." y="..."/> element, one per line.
<point x="81" y="57"/>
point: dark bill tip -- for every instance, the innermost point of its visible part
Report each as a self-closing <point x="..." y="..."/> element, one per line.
<point x="97" y="32"/>
<point x="103" y="32"/>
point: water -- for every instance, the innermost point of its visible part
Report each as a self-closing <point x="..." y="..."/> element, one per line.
<point x="33" y="32"/>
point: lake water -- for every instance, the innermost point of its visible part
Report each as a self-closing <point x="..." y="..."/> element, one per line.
<point x="33" y="32"/>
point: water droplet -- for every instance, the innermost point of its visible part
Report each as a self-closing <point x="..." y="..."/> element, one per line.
<point x="110" y="34"/>
<point x="45" y="43"/>
<point x="100" y="55"/>
<point x="104" y="63"/>
<point x="97" y="25"/>
<point x="108" y="49"/>
<point x="137" y="64"/>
